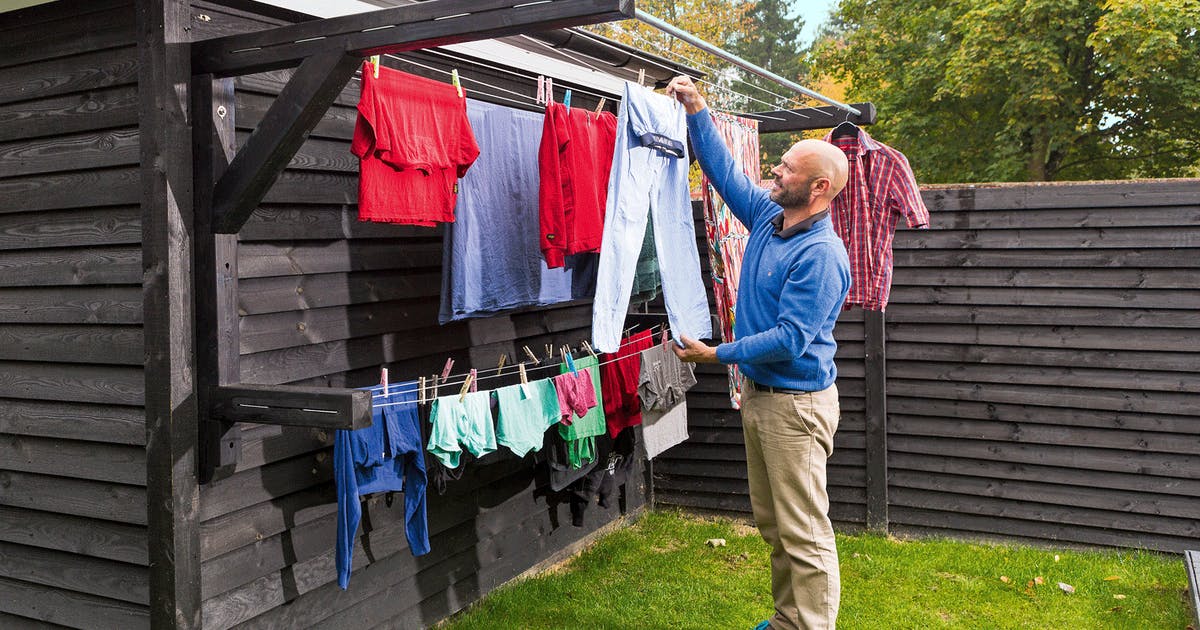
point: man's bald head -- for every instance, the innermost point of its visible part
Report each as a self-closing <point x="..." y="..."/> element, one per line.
<point x="810" y="175"/>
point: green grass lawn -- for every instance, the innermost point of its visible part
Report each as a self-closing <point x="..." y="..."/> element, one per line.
<point x="660" y="574"/>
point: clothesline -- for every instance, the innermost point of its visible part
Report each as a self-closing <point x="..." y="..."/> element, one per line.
<point x="429" y="386"/>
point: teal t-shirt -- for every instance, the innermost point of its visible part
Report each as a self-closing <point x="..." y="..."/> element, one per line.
<point x="526" y="411"/>
<point x="468" y="423"/>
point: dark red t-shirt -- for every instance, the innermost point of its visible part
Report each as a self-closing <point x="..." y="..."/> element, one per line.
<point x="619" y="374"/>
<point x="414" y="141"/>
<point x="575" y="159"/>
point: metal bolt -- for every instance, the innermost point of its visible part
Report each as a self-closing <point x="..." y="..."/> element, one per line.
<point x="221" y="111"/>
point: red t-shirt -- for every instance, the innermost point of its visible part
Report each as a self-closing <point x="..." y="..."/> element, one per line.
<point x="575" y="159"/>
<point x="619" y="374"/>
<point x="414" y="141"/>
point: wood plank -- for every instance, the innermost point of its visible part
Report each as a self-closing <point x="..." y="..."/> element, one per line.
<point x="71" y="228"/>
<point x="847" y="493"/>
<point x="258" y="260"/>
<point x="1134" y="401"/>
<point x="99" y="423"/>
<point x="907" y="256"/>
<point x="78" y="497"/>
<point x="103" y="108"/>
<point x="295" y="328"/>
<point x="92" y="576"/>
<point x="78" y="460"/>
<point x="976" y="526"/>
<point x="1062" y="298"/>
<point x="251" y="487"/>
<point x="1127" y="278"/>
<point x="113" y="186"/>
<point x="69" y="608"/>
<point x="71" y="534"/>
<point x="1125" y="502"/>
<point x="290" y="364"/>
<point x="71" y="266"/>
<point x="270" y="84"/>
<point x="1054" y="417"/>
<point x="263" y="444"/>
<point x="1139" y="237"/>
<point x="1050" y="513"/>
<point x="1144" y="381"/>
<point x="71" y="344"/>
<point x="97" y="149"/>
<point x="1030" y="356"/>
<point x="165" y="194"/>
<point x="1063" y="217"/>
<point x="1061" y="455"/>
<point x="316" y="187"/>
<point x="1058" y="335"/>
<point x="1061" y="195"/>
<point x="81" y="305"/>
<point x="951" y="314"/>
<point x="1094" y="478"/>
<point x="72" y="383"/>
<point x="336" y="124"/>
<point x="422" y="27"/>
<point x="318" y="154"/>
<point x="14" y="622"/>
<point x="312" y="222"/>
<point x="111" y="27"/>
<point x="66" y="75"/>
<point x="288" y="293"/>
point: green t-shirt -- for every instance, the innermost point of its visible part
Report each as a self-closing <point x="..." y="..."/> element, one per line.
<point x="580" y="436"/>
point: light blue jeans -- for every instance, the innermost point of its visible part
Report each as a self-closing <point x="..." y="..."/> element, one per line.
<point x="649" y="176"/>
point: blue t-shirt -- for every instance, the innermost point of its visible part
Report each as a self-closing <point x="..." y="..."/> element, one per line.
<point x="791" y="289"/>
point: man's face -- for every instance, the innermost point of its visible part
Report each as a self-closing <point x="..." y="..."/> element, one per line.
<point x="793" y="189"/>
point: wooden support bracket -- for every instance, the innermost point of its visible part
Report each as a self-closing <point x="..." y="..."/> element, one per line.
<point x="320" y="407"/>
<point x="807" y="118"/>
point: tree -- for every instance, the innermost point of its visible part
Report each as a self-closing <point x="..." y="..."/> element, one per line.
<point x="1016" y="90"/>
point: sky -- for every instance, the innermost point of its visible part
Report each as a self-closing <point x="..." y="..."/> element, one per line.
<point x="814" y="13"/>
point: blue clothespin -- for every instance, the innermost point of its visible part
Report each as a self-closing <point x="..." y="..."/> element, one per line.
<point x="567" y="98"/>
<point x="569" y="360"/>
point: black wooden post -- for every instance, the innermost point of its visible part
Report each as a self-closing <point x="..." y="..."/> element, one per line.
<point x="876" y="420"/>
<point x="216" y="275"/>
<point x="172" y="493"/>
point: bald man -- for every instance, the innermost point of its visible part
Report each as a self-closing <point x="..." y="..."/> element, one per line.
<point x="795" y="277"/>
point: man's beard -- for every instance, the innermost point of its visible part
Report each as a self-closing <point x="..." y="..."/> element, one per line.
<point x="793" y="198"/>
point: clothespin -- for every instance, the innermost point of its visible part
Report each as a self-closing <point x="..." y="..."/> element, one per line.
<point x="446" y="370"/>
<point x="521" y="369"/>
<point x="541" y="93"/>
<point x="500" y="367"/>
<point x="600" y="107"/>
<point x="435" y="387"/>
<point x="421" y="391"/>
<point x="474" y="376"/>
<point x="549" y="351"/>
<point x="549" y="90"/>
<point x="587" y="346"/>
<point x="375" y="64"/>
<point x="454" y="80"/>
<point x="383" y="380"/>
<point x="642" y="77"/>
<point x="567" y="98"/>
<point x="466" y="386"/>
<point x="530" y="354"/>
<point x="665" y="337"/>
<point x="569" y="360"/>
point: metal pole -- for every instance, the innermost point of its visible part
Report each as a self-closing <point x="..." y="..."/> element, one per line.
<point x="738" y="61"/>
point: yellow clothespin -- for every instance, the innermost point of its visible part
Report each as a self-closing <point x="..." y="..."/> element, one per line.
<point x="587" y="346"/>
<point x="421" y="391"/>
<point x="500" y="367"/>
<point x="530" y="354"/>
<point x="521" y="369"/>
<point x="466" y="386"/>
<point x="375" y="64"/>
<point x="642" y="77"/>
<point x="455" y="81"/>
<point x="600" y="107"/>
<point x="549" y="351"/>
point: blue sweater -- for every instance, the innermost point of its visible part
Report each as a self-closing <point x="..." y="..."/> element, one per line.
<point x="791" y="289"/>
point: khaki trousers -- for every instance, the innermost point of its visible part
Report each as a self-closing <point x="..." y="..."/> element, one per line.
<point x="789" y="437"/>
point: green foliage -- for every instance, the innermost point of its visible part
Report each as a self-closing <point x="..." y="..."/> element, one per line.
<point x="660" y="574"/>
<point x="1020" y="90"/>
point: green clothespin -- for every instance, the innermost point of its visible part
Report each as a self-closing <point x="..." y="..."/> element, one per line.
<point x="375" y="64"/>
<point x="455" y="81"/>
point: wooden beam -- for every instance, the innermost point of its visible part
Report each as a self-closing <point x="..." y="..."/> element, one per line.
<point x="216" y="274"/>
<point x="321" y="407"/>
<point x="410" y="27"/>
<point x="876" y="421"/>
<point x="172" y="493"/>
<point x="297" y="109"/>
<point x="806" y="118"/>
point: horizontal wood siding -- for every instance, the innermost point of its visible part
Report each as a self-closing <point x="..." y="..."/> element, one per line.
<point x="326" y="300"/>
<point x="1042" y="364"/>
<point x="73" y="549"/>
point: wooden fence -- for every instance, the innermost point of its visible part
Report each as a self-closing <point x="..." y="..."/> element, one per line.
<point x="1042" y="350"/>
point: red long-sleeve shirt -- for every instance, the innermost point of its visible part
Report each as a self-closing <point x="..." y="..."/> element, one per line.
<point x="575" y="159"/>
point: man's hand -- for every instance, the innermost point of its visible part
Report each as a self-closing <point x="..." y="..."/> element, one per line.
<point x="694" y="351"/>
<point x="682" y="89"/>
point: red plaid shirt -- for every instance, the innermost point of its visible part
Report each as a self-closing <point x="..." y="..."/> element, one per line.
<point x="880" y="190"/>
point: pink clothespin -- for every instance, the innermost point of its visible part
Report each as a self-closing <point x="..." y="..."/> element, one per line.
<point x="383" y="380"/>
<point x="474" y="378"/>
<point x="446" y="370"/>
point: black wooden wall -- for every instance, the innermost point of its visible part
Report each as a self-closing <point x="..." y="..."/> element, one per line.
<point x="72" y="430"/>
<point x="326" y="300"/>
<point x="1041" y="374"/>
